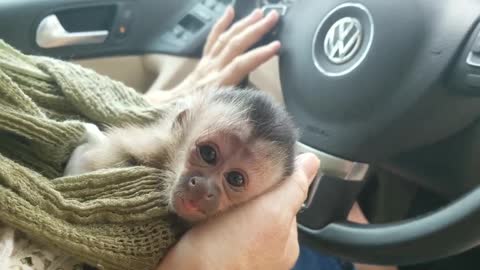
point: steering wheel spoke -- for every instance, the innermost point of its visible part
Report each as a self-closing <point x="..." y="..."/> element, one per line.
<point x="330" y="201"/>
<point x="334" y="190"/>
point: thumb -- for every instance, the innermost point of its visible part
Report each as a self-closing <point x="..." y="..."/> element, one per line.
<point x="309" y="164"/>
<point x="292" y="192"/>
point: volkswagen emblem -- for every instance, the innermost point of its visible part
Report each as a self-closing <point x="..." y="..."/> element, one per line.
<point x="343" y="40"/>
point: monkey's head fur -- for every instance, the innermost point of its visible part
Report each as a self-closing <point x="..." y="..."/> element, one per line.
<point x="229" y="145"/>
<point x="213" y="148"/>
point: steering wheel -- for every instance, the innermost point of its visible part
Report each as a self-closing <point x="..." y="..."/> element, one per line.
<point x="369" y="79"/>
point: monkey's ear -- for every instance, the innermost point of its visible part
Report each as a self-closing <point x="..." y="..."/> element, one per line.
<point x="180" y="119"/>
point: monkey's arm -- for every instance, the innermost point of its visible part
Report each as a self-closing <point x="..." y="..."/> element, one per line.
<point x="118" y="147"/>
<point x="95" y="153"/>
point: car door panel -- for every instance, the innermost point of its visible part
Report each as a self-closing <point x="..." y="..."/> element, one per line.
<point x="129" y="69"/>
<point x="134" y="26"/>
<point x="151" y="44"/>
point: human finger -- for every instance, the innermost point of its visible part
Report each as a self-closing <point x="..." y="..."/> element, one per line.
<point x="236" y="28"/>
<point x="290" y="195"/>
<point x="246" y="63"/>
<point x="248" y="37"/>
<point x="220" y="26"/>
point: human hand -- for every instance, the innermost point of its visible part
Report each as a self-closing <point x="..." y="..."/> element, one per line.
<point x="225" y="61"/>
<point x="261" y="234"/>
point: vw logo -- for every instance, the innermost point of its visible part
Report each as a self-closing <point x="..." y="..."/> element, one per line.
<point x="343" y="40"/>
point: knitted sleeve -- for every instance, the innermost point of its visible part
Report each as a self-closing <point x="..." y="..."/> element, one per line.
<point x="114" y="218"/>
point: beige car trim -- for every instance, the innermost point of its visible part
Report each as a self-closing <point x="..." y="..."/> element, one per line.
<point x="152" y="72"/>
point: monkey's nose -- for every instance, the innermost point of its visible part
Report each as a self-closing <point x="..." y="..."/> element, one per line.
<point x="200" y="189"/>
<point x="197" y="181"/>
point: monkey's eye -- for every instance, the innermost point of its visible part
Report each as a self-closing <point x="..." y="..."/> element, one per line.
<point x="235" y="179"/>
<point x="208" y="154"/>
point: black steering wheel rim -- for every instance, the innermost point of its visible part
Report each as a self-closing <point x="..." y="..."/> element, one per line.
<point x="439" y="234"/>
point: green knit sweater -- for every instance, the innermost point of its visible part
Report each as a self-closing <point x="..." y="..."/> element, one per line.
<point x="114" y="218"/>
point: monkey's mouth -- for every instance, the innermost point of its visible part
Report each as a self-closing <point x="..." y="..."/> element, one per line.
<point x="187" y="210"/>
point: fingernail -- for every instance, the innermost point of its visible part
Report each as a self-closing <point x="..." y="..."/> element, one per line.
<point x="229" y="9"/>
<point x="276" y="44"/>
<point x="309" y="164"/>
<point x="255" y="12"/>
<point x="272" y="13"/>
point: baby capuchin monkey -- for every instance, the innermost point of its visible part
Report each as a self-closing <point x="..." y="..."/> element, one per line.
<point x="218" y="148"/>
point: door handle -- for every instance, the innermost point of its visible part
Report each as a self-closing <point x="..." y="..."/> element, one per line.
<point x="51" y="34"/>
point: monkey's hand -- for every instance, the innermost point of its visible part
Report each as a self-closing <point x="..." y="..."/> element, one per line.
<point x="81" y="159"/>
<point x="225" y="60"/>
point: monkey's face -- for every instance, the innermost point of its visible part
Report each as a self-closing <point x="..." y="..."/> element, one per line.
<point x="222" y="170"/>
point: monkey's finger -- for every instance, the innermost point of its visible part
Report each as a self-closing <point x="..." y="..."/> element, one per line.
<point x="249" y="36"/>
<point x="292" y="193"/>
<point x="224" y="38"/>
<point x="246" y="63"/>
<point x="220" y="26"/>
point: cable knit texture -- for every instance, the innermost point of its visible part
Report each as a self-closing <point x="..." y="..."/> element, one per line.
<point x="114" y="218"/>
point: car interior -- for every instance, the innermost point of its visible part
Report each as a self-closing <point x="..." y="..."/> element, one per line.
<point x="392" y="113"/>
